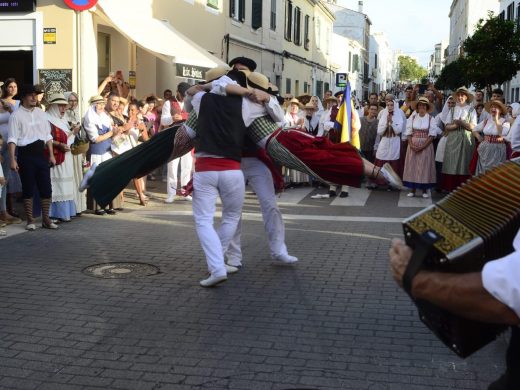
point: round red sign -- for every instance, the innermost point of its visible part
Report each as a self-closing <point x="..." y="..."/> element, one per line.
<point x="80" y="5"/>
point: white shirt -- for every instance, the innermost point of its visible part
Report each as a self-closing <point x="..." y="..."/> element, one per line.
<point x="463" y="112"/>
<point x="501" y="278"/>
<point x="490" y="127"/>
<point x="514" y="135"/>
<point x="325" y="123"/>
<point x="28" y="126"/>
<point x="389" y="148"/>
<point x="418" y="122"/>
<point x="166" y="113"/>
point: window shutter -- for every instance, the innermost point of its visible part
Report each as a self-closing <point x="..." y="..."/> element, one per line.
<point x="232" y="10"/>
<point x="256" y="14"/>
<point x="242" y="10"/>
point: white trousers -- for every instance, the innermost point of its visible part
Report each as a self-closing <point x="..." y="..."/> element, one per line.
<point x="206" y="187"/>
<point x="261" y="181"/>
<point x="186" y="163"/>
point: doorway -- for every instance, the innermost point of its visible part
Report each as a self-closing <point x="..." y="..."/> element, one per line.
<point x="17" y="64"/>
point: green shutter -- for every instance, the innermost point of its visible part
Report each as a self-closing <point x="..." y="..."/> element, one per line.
<point x="256" y="14"/>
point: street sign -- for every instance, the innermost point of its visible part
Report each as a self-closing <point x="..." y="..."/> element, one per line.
<point x="341" y="79"/>
<point x="49" y="36"/>
<point x="80" y="5"/>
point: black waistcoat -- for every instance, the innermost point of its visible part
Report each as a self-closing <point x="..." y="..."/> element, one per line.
<point x="220" y="127"/>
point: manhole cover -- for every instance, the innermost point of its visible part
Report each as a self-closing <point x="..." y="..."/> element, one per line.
<point x="121" y="270"/>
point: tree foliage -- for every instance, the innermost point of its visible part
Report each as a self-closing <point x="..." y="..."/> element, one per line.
<point x="492" y="53"/>
<point x="453" y="75"/>
<point x="410" y="70"/>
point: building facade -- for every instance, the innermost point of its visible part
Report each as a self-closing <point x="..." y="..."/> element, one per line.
<point x="437" y="60"/>
<point x="464" y="16"/>
<point x="510" y="10"/>
<point x="381" y="61"/>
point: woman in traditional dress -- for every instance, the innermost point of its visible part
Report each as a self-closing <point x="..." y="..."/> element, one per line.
<point x="419" y="166"/>
<point x="63" y="207"/>
<point x="444" y="118"/>
<point x="100" y="131"/>
<point x="460" y="142"/>
<point x="74" y="120"/>
<point x="294" y="118"/>
<point x="514" y="132"/>
<point x="491" y="134"/>
<point x="391" y="125"/>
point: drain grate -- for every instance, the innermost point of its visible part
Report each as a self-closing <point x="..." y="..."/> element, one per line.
<point x="121" y="270"/>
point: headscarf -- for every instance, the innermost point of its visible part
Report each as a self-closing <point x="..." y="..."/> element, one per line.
<point x="72" y="115"/>
<point x="446" y="115"/>
<point x="54" y="116"/>
<point x="515" y="113"/>
<point x="93" y="119"/>
<point x="398" y="120"/>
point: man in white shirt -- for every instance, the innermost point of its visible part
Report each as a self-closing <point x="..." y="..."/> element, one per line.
<point x="30" y="132"/>
<point x="173" y="112"/>
<point x="492" y="295"/>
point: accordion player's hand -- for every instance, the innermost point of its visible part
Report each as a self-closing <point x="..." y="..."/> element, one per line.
<point x="400" y="254"/>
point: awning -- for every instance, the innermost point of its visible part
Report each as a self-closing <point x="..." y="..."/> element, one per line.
<point x="154" y="35"/>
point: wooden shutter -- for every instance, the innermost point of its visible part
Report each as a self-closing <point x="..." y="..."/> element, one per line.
<point x="256" y="14"/>
<point x="242" y="10"/>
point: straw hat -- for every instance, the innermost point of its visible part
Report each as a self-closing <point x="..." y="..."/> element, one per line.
<point x="497" y="103"/>
<point x="258" y="80"/>
<point x="216" y="72"/>
<point x="96" y="99"/>
<point x="465" y="91"/>
<point x="295" y="101"/>
<point x="331" y="99"/>
<point x="425" y="101"/>
<point x="57" y="98"/>
<point x="310" y="106"/>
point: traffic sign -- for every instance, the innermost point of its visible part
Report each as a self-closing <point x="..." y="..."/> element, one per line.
<point x="341" y="79"/>
<point x="80" y="5"/>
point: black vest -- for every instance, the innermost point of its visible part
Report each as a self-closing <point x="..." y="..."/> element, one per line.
<point x="220" y="126"/>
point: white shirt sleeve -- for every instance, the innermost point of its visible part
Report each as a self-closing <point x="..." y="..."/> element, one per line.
<point x="409" y="125"/>
<point x="166" y="114"/>
<point x="274" y="110"/>
<point x="501" y="278"/>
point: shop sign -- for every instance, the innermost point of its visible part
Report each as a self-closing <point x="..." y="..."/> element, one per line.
<point x="55" y="80"/>
<point x="80" y="5"/>
<point x="17" y="5"/>
<point x="191" y="71"/>
<point x="49" y="36"/>
<point x="132" y="80"/>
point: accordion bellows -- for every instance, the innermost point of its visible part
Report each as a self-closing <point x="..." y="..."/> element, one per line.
<point x="473" y="225"/>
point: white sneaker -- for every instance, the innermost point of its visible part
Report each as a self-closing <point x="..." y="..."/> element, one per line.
<point x="231" y="269"/>
<point x="188" y="197"/>
<point x="84" y="182"/>
<point x="425" y="195"/>
<point x="234" y="263"/>
<point x="285" y="258"/>
<point x="31" y="227"/>
<point x="213" y="281"/>
<point x="410" y="194"/>
<point x="169" y="199"/>
<point x="391" y="177"/>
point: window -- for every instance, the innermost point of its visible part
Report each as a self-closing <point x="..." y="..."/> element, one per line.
<point x="511" y="11"/>
<point x="288" y="20"/>
<point x="319" y="88"/>
<point x="355" y="63"/>
<point x="305" y="87"/>
<point x="326" y="87"/>
<point x="237" y="10"/>
<point x="306" y="39"/>
<point x="256" y="14"/>
<point x="287" y="85"/>
<point x="349" y="61"/>
<point x="297" y="38"/>
<point x="518" y="16"/>
<point x="502" y="15"/>
<point x="273" y="15"/>
<point x="212" y="3"/>
<point x="297" y="87"/>
<point x="103" y="49"/>
<point x="375" y="60"/>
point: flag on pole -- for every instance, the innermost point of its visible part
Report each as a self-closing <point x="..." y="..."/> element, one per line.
<point x="344" y="118"/>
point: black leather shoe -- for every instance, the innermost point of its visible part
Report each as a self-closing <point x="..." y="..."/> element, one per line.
<point x="100" y="212"/>
<point x="332" y="194"/>
<point x="343" y="194"/>
<point x="111" y="212"/>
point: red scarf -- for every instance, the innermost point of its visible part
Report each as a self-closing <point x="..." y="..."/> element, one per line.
<point x="60" y="136"/>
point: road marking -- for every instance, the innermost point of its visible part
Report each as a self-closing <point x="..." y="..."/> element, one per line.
<point x="294" y="195"/>
<point x="356" y="197"/>
<point x="286" y="217"/>
<point x="416" y="201"/>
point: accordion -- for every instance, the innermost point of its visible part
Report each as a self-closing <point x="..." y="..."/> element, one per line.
<point x="471" y="226"/>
